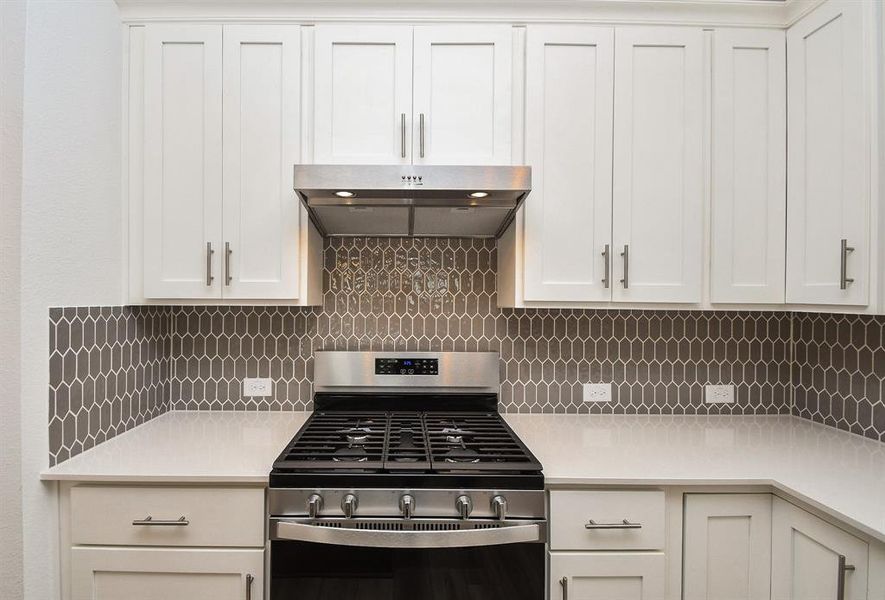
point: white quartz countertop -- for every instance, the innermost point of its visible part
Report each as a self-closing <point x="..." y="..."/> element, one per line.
<point x="188" y="446"/>
<point x="839" y="473"/>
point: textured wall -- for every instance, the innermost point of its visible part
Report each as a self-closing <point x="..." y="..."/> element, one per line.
<point x="71" y="222"/>
<point x="108" y="372"/>
<point x="426" y="294"/>
<point x="839" y="371"/>
<point x="12" y="65"/>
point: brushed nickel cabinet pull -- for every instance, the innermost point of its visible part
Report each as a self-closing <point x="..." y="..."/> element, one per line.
<point x="844" y="280"/>
<point x="209" y="253"/>
<point x="402" y="130"/>
<point x="227" y="253"/>
<point x="626" y="255"/>
<point x="840" y="582"/>
<point x="421" y="133"/>
<point x="624" y="524"/>
<point x="564" y="584"/>
<point x="606" y="279"/>
<point x="149" y="521"/>
<point x="249" y="580"/>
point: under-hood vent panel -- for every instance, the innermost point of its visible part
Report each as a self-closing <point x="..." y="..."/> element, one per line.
<point x="410" y="200"/>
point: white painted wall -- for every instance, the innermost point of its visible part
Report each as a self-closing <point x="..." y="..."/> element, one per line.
<point x="12" y="55"/>
<point x="71" y="246"/>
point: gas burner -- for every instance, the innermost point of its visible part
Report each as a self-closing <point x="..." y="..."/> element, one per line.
<point x="353" y="438"/>
<point x="350" y="454"/>
<point x="461" y="455"/>
<point x="455" y="439"/>
<point x="454" y="430"/>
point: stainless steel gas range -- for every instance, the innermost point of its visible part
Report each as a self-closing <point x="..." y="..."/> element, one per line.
<point x="406" y="483"/>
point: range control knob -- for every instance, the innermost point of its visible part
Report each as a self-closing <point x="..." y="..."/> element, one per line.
<point x="349" y="505"/>
<point x="499" y="507"/>
<point x="464" y="505"/>
<point x="407" y="505"/>
<point x="314" y="505"/>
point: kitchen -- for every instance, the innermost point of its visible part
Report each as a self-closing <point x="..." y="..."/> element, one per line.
<point x="523" y="299"/>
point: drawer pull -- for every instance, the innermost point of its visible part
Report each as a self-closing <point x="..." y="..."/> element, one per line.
<point x="149" y="520"/>
<point x="625" y="524"/>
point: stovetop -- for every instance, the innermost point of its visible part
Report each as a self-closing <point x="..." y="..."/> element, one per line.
<point x="429" y="448"/>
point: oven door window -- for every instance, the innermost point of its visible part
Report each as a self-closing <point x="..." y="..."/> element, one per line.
<point x="310" y="571"/>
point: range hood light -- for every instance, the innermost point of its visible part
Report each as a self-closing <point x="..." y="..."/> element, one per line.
<point x="345" y="194"/>
<point x="479" y="194"/>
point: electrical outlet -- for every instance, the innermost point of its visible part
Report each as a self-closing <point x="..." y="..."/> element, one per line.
<point x="719" y="394"/>
<point x="597" y="392"/>
<point x="258" y="387"/>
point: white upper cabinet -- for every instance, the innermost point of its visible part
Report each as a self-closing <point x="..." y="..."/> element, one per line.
<point x="749" y="175"/>
<point x="568" y="139"/>
<point x="182" y="161"/>
<point x="218" y="218"/>
<point x="363" y="94"/>
<point x="462" y="95"/>
<point x="658" y="165"/>
<point x="260" y="256"/>
<point x="828" y="203"/>
<point x="813" y="560"/>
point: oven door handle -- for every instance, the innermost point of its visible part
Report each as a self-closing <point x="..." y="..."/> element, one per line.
<point x="343" y="536"/>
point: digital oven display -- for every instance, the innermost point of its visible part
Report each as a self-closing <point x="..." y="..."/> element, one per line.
<point x="406" y="366"/>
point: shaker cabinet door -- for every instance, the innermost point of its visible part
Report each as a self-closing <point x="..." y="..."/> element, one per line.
<point x="747" y="240"/>
<point x="363" y="94"/>
<point x="262" y="70"/>
<point x="607" y="576"/>
<point x="828" y="198"/>
<point x="809" y="557"/>
<point x="658" y="165"/>
<point x="727" y="547"/>
<point x="166" y="574"/>
<point x="462" y="93"/>
<point x="569" y="114"/>
<point x="182" y="161"/>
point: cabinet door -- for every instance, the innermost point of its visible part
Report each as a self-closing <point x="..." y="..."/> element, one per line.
<point x="462" y="93"/>
<point x="164" y="574"/>
<point x="363" y="95"/>
<point x="727" y="547"/>
<point x="607" y="576"/>
<point x="569" y="83"/>
<point x="828" y="189"/>
<point x="806" y="555"/>
<point x="262" y="72"/>
<point x="749" y="153"/>
<point x="658" y="166"/>
<point x="182" y="161"/>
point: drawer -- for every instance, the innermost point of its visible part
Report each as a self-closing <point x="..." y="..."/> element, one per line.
<point x="571" y="513"/>
<point x="104" y="515"/>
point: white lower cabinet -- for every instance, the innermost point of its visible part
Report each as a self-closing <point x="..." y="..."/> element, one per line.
<point x="813" y="560"/>
<point x="163" y="542"/>
<point x="100" y="573"/>
<point x="607" y="576"/>
<point x="726" y="547"/>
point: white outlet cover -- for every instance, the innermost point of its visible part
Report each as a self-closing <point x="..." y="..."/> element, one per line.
<point x="719" y="394"/>
<point x="257" y="387"/>
<point x="597" y="392"/>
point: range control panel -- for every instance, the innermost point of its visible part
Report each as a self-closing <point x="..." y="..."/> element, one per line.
<point x="406" y="366"/>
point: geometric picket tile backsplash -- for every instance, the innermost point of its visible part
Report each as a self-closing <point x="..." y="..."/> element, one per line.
<point x="108" y="372"/>
<point x="439" y="294"/>
<point x="112" y="368"/>
<point x="839" y="371"/>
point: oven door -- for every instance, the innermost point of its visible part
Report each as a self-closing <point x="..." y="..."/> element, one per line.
<point x="432" y="560"/>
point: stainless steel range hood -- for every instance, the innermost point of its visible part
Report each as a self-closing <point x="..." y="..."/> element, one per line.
<point x="412" y="200"/>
